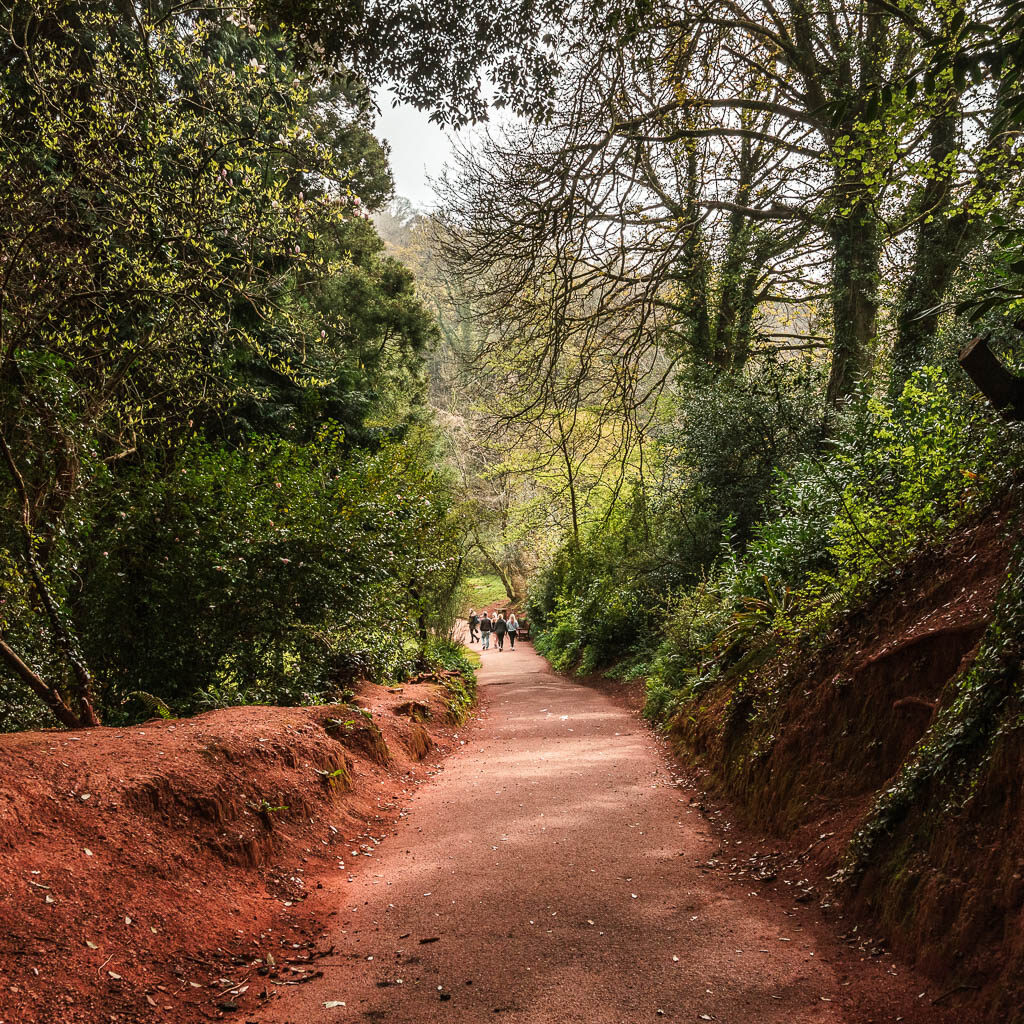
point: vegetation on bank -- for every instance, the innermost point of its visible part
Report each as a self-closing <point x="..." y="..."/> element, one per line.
<point x="681" y="606"/>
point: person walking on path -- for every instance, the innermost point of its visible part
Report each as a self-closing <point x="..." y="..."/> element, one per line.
<point x="513" y="628"/>
<point x="485" y="631"/>
<point x="500" y="629"/>
<point x="474" y="623"/>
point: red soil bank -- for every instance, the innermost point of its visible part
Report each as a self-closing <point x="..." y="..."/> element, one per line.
<point x="151" y="872"/>
<point x="815" y="737"/>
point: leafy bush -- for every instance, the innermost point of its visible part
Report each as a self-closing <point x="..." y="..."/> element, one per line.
<point x="899" y="475"/>
<point x="916" y="469"/>
<point x="276" y="572"/>
<point x="612" y="600"/>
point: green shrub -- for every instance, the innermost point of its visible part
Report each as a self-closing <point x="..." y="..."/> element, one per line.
<point x="899" y="475"/>
<point x="916" y="469"/>
<point x="269" y="573"/>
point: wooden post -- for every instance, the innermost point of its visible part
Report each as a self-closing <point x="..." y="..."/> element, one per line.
<point x="1002" y="388"/>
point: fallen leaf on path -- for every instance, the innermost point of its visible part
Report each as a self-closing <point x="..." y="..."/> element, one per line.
<point x="333" y="1004"/>
<point x="91" y="945"/>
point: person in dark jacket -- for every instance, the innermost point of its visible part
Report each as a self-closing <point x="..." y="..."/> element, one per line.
<point x="485" y="631"/>
<point x="474" y="623"/>
<point x="500" y="629"/>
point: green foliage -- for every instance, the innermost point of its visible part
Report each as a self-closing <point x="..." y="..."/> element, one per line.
<point x="273" y="574"/>
<point x="733" y="434"/>
<point x="643" y="571"/>
<point x="218" y="482"/>
<point x="898" y="476"/>
<point x="440" y="652"/>
<point x="154" y="705"/>
<point x="914" y="471"/>
<point x="835" y="521"/>
<point x="593" y="606"/>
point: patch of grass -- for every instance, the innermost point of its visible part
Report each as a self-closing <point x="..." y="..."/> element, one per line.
<point x="484" y="592"/>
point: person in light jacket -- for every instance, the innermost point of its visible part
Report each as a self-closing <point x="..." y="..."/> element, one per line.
<point x="513" y="628"/>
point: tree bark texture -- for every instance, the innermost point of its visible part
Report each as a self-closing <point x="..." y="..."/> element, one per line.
<point x="856" y="251"/>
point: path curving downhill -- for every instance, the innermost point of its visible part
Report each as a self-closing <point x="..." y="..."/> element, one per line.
<point x="550" y="874"/>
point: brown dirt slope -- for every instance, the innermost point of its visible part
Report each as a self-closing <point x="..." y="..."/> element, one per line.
<point x="809" y="740"/>
<point x="162" y="871"/>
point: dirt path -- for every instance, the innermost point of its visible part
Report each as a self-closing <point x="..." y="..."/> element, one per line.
<point x="550" y="875"/>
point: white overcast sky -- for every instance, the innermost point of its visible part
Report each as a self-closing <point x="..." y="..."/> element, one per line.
<point x="419" y="149"/>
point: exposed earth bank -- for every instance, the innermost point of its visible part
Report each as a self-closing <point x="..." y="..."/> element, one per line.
<point x="804" y="742"/>
<point x="173" y="870"/>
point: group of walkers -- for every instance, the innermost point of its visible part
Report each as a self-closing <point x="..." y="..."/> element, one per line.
<point x="482" y="626"/>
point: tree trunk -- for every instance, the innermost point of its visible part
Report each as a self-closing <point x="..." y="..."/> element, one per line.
<point x="944" y="240"/>
<point x="61" y="630"/>
<point x="498" y="571"/>
<point x="695" y="262"/>
<point x="748" y="304"/>
<point x="46" y="693"/>
<point x="939" y="247"/>
<point x="570" y="476"/>
<point x="730" y="345"/>
<point x="855" y="246"/>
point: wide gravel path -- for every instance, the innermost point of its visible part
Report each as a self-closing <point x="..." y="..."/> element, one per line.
<point x="551" y="874"/>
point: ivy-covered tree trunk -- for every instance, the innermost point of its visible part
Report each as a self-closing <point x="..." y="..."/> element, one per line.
<point x="941" y="240"/>
<point x="946" y="232"/>
<point x="730" y="345"/>
<point x="856" y="248"/>
<point x="694" y="258"/>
